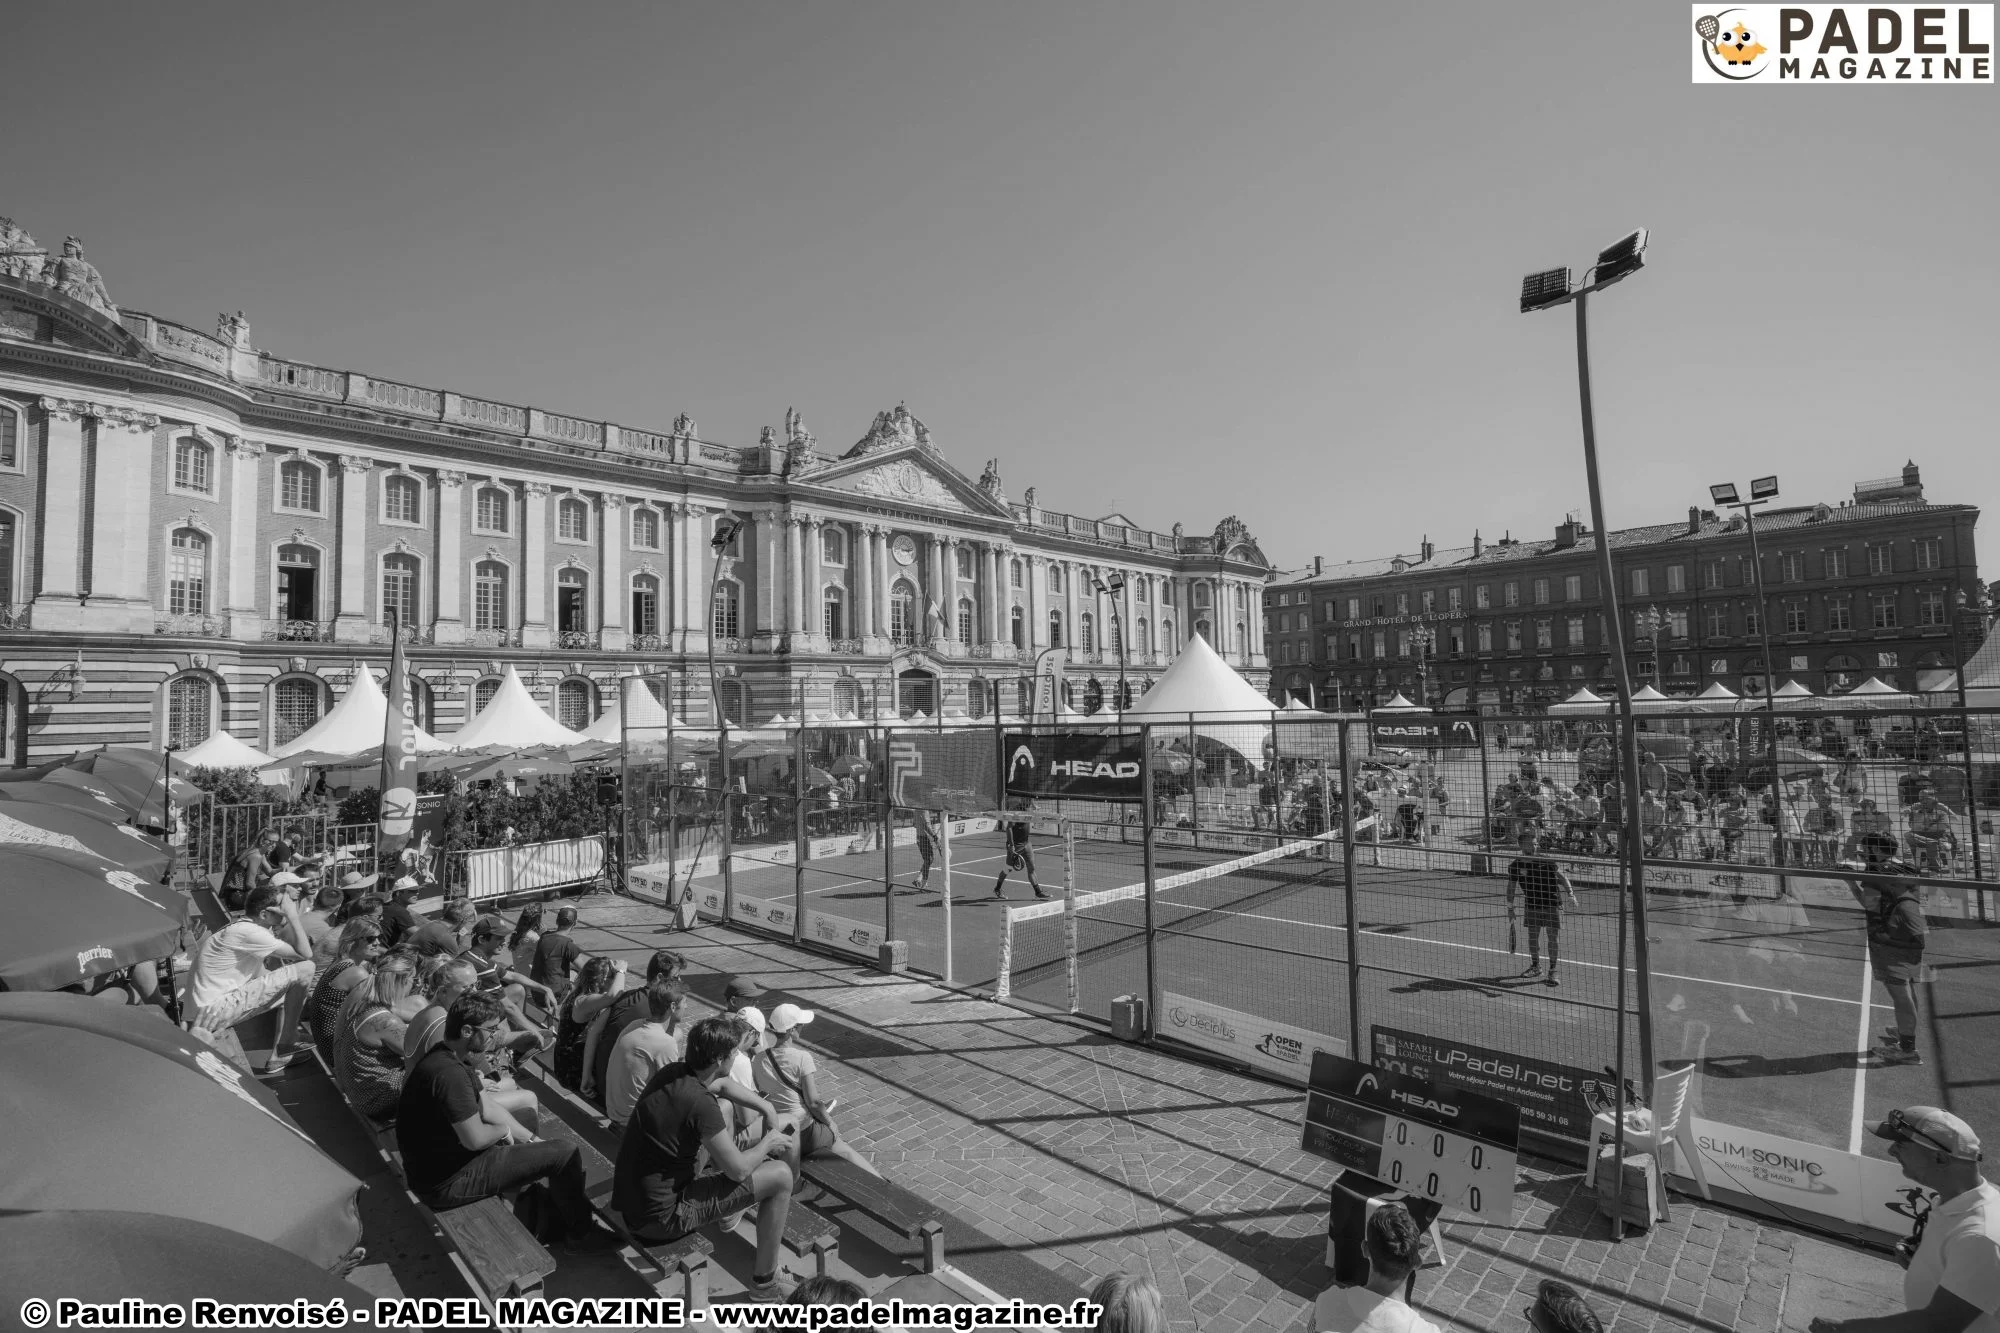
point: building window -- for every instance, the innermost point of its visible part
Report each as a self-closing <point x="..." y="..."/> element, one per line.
<point x="1086" y="632"/>
<point x="1930" y="552"/>
<point x="295" y="709"/>
<point x="298" y="486"/>
<point x="1879" y="559"/>
<point x="572" y="520"/>
<point x="832" y="622"/>
<point x="724" y="616"/>
<point x="1381" y="644"/>
<point x="1711" y="574"/>
<point x="1055" y="585"/>
<point x="6" y="579"/>
<point x="1573" y="587"/>
<point x="402" y="500"/>
<point x="188" y="709"/>
<point x="298" y="582"/>
<point x="1017" y="627"/>
<point x="1541" y="592"/>
<point x="1677" y="578"/>
<point x="903" y="613"/>
<point x="187" y="573"/>
<point x="1454" y="598"/>
<point x="845" y="697"/>
<point x="1792" y="567"/>
<point x="1677" y="623"/>
<point x="1753" y="621"/>
<point x="1354" y="608"/>
<point x="1576" y="631"/>
<point x="489" y="513"/>
<point x="1513" y="636"/>
<point x="733" y="548"/>
<point x="1402" y="604"/>
<point x="489" y="595"/>
<point x="399" y="588"/>
<point x="572" y="602"/>
<point x="483" y="692"/>
<point x="645" y="604"/>
<point x="1428" y="599"/>
<point x="1930" y="608"/>
<point x="1642" y="583"/>
<point x="1795" y="616"/>
<point x="1402" y="643"/>
<point x="1485" y="638"/>
<point x="576" y="704"/>
<point x="192" y="459"/>
<point x="1888" y="660"/>
<point x="1746" y="573"/>
<point x="1545" y="633"/>
<point x="1168" y="643"/>
<point x="1839" y="614"/>
<point x="975" y="698"/>
<point x="964" y="620"/>
<point x="10" y="438"/>
<point x="964" y="561"/>
<point x="645" y="529"/>
<point x="1511" y="594"/>
<point x="833" y="544"/>
<point x="1882" y="609"/>
<point x="1835" y="562"/>
<point x="1285" y="652"/>
<point x="1715" y="622"/>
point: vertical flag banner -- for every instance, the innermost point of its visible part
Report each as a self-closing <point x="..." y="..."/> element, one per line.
<point x="397" y="813"/>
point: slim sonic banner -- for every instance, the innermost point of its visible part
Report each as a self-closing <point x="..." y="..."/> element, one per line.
<point x="397" y="814"/>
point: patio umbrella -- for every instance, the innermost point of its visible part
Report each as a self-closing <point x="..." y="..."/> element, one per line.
<point x="115" y="1255"/>
<point x="818" y="777"/>
<point x="114" y="1109"/>
<point x="144" y="772"/>
<point x="65" y="797"/>
<point x="117" y="792"/>
<point x="529" y="766"/>
<point x="846" y="764"/>
<point x="77" y="831"/>
<point x="71" y="916"/>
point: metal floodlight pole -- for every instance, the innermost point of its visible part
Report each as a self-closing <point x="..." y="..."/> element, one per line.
<point x="1112" y="589"/>
<point x="725" y="533"/>
<point x="1956" y="612"/>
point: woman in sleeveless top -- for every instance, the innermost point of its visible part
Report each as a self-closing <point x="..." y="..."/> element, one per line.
<point x="368" y="1037"/>
<point x="360" y="945"/>
<point x="571" y="1034"/>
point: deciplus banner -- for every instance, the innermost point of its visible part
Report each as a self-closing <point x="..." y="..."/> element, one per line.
<point x="1096" y="768"/>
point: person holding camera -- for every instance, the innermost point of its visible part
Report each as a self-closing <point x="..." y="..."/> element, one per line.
<point x="1953" y="1261"/>
<point x="253" y="965"/>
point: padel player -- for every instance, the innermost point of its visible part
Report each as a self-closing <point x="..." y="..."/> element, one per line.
<point x="1020" y="856"/>
<point x="926" y="848"/>
<point x="1542" y="884"/>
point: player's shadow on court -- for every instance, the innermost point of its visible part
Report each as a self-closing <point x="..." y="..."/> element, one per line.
<point x="1763" y="1066"/>
<point x="1487" y="986"/>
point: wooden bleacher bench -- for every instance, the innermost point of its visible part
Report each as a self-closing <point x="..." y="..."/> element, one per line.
<point x="492" y="1250"/>
<point x="810" y="1233"/>
<point x="888" y="1203"/>
<point x="684" y="1260"/>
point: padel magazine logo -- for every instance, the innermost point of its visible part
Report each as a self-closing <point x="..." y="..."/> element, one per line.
<point x="1835" y="44"/>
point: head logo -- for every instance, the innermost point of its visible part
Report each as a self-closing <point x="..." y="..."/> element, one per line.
<point x="1730" y="46"/>
<point x="1367" y="1082"/>
<point x="1022" y="755"/>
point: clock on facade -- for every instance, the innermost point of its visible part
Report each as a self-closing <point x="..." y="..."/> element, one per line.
<point x="904" y="548"/>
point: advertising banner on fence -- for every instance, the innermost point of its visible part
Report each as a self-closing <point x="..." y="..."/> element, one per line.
<point x="1278" y="1048"/>
<point x="1550" y="1095"/>
<point x="1424" y="733"/>
<point x="1795" y="1178"/>
<point x="1099" y="768"/>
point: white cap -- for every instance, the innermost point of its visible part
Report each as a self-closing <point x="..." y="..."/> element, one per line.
<point x="284" y="879"/>
<point x="755" y="1017"/>
<point x="788" y="1016"/>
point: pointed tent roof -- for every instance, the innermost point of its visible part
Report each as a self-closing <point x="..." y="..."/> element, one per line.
<point x="1583" y="701"/>
<point x="1791" y="689"/>
<point x="1294" y="704"/>
<point x="647" y="712"/>
<point x="354" y="724"/>
<point x="1646" y="694"/>
<point x="1874" y="686"/>
<point x="221" y="750"/>
<point x="512" y="719"/>
<point x="1398" y="704"/>
<point x="1199" y="682"/>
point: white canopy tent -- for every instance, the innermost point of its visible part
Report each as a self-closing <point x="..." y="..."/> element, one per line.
<point x="1398" y="704"/>
<point x="1582" y="702"/>
<point x="513" y="720"/>
<point x="354" y="724"/>
<point x="1203" y="690"/>
<point x="1718" y="698"/>
<point x="647" y="712"/>
<point x="1982" y="678"/>
<point x="1646" y="699"/>
<point x="221" y="750"/>
<point x="1876" y="693"/>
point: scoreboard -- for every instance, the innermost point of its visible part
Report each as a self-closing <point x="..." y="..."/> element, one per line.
<point x="1433" y="1142"/>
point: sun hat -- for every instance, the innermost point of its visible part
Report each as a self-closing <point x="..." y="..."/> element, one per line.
<point x="1932" y="1128"/>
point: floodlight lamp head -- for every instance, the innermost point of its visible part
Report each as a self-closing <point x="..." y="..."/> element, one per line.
<point x="725" y="533"/>
<point x="1539" y="291"/>
<point x="1725" y="494"/>
<point x="1116" y="583"/>
<point x="1622" y="258"/>
<point x="1763" y="488"/>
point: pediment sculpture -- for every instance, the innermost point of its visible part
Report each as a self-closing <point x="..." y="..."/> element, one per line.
<point x="907" y="481"/>
<point x="893" y="430"/>
<point x="77" y="278"/>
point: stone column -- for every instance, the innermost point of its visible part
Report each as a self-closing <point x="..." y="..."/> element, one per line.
<point x="694" y="611"/>
<point x="449" y="625"/>
<point x="613" y="595"/>
<point x="765" y="541"/>
<point x="862" y="584"/>
<point x="121" y="525"/>
<point x="947" y="591"/>
<point x="1038" y="595"/>
<point x="351" y="623"/>
<point x="59" y="583"/>
<point x="885" y="578"/>
<point x="534" y="572"/>
<point x="795" y="580"/>
<point x="1125" y="611"/>
<point x="240" y="588"/>
<point x="815" y="600"/>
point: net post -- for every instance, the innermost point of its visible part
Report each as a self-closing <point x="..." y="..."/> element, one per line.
<point x="1194" y="788"/>
<point x="1147" y="871"/>
<point x="944" y="857"/>
<point x="728" y="826"/>
<point x="1347" y="798"/>
<point x="1486" y="795"/>
<point x="888" y="845"/>
<point x="1069" y="909"/>
<point x="801" y="845"/>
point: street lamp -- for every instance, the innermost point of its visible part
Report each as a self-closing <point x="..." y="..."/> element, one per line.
<point x="725" y="533"/>
<point x="1112" y="587"/>
<point x="1421" y="639"/>
<point x="1763" y="490"/>
<point x="1543" y="291"/>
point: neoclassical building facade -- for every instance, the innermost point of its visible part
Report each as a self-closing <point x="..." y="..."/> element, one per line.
<point x="196" y="534"/>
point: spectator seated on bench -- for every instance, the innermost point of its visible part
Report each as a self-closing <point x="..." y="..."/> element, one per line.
<point x="368" y="1037"/>
<point x="644" y="1049"/>
<point x="619" y="1009"/>
<point x="498" y="978"/>
<point x="787" y="1075"/>
<point x="554" y="954"/>
<point x="368" y="907"/>
<point x="359" y="946"/>
<point x="230" y="981"/>
<point x="441" y="981"/>
<point x="445" y="935"/>
<point x="655" y="1186"/>
<point x="248" y="870"/>
<point x="458" y="1148"/>
<point x="597" y="986"/>
<point x="319" y="920"/>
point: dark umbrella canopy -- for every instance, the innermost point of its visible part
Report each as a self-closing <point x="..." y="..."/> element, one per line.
<point x="140" y="774"/>
<point x="116" y="1108"/>
<point x="71" y="916"/>
<point x="51" y="825"/>
<point x="529" y="767"/>
<point x="67" y="797"/>
<point x="101" y="1255"/>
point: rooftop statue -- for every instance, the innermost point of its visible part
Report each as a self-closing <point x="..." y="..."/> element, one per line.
<point x="20" y="257"/>
<point x="989" y="481"/>
<point x="233" y="330"/>
<point x="893" y="430"/>
<point x="77" y="278"/>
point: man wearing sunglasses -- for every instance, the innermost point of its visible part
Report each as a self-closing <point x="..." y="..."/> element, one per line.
<point x="1953" y="1282"/>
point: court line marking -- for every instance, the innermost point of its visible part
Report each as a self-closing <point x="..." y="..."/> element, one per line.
<point x="1862" y="1043"/>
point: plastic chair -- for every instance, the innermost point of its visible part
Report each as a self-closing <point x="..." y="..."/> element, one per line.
<point x="1673" y="1126"/>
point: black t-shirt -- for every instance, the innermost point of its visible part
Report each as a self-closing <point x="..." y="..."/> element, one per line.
<point x="432" y="939"/>
<point x="674" y="1116"/>
<point x="398" y="921"/>
<point x="628" y="1010"/>
<point x="488" y="979"/>
<point x="1541" y="887"/>
<point x="1017" y="833"/>
<point x="555" y="954"/>
<point x="440" y="1092"/>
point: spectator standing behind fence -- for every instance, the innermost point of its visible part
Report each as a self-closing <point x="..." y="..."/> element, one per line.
<point x="1542" y="885"/>
<point x="249" y="869"/>
<point x="1897" y="933"/>
<point x="1392" y="1245"/>
<point x="231" y="983"/>
<point x="1953" y="1277"/>
<point x="926" y="848"/>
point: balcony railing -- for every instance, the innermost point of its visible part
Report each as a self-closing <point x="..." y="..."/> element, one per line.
<point x="299" y="631"/>
<point x="578" y="638"/>
<point x="851" y="647"/>
<point x="13" y="617"/>
<point x="378" y="635"/>
<point x="644" y="643"/>
<point x="191" y="625"/>
<point x="493" y="638"/>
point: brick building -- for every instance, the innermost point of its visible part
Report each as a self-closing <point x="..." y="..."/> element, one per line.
<point x="1867" y="587"/>
<point x="197" y="533"/>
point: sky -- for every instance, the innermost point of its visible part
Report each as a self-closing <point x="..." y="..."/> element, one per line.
<point x="1178" y="261"/>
